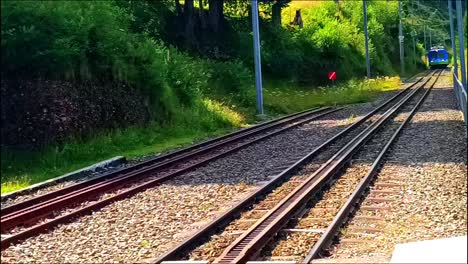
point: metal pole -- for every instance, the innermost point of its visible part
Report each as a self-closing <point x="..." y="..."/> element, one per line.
<point x="364" y="8"/>
<point x="414" y="49"/>
<point x="430" y="39"/>
<point x="257" y="58"/>
<point x="425" y="45"/>
<point x="452" y="38"/>
<point x="401" y="40"/>
<point x="461" y="40"/>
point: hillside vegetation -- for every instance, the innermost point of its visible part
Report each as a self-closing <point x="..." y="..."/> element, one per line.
<point x="83" y="80"/>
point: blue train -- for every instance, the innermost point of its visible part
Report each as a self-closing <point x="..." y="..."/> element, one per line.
<point x="438" y="57"/>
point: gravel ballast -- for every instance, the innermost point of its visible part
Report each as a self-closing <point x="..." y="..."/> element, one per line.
<point x="143" y="227"/>
<point x="423" y="182"/>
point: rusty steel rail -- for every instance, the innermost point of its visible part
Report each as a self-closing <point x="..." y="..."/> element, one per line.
<point x="351" y="204"/>
<point x="204" y="233"/>
<point x="256" y="237"/>
<point x="45" y="208"/>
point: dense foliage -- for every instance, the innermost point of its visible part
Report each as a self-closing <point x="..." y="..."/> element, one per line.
<point x="94" y="41"/>
<point x="102" y="43"/>
<point x="175" y="55"/>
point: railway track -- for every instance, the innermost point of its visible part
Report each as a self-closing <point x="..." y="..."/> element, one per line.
<point x="341" y="200"/>
<point x="244" y="239"/>
<point x="41" y="213"/>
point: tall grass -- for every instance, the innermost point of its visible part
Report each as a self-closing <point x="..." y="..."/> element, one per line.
<point x="286" y="100"/>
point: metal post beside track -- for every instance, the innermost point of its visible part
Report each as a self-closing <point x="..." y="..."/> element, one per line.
<point x="257" y="58"/>
<point x="461" y="40"/>
<point x="364" y="8"/>
<point x="452" y="38"/>
<point x="425" y="45"/>
<point x="462" y="99"/>
<point x="413" y="34"/>
<point x="430" y="38"/>
<point x="401" y="40"/>
<point x="459" y="87"/>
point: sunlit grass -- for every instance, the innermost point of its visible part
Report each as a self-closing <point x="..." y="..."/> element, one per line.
<point x="234" y="118"/>
<point x="300" y="4"/>
<point x="281" y="99"/>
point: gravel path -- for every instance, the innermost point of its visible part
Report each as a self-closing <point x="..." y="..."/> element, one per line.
<point x="423" y="185"/>
<point x="143" y="227"/>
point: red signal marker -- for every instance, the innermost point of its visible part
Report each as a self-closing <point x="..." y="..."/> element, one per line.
<point x="332" y="75"/>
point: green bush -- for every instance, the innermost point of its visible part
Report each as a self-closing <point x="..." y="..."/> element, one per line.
<point x="332" y="39"/>
<point x="281" y="56"/>
<point x="149" y="17"/>
<point x="230" y="81"/>
<point x="102" y="41"/>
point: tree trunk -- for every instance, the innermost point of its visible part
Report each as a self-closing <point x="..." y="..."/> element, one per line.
<point x="298" y="19"/>
<point x="216" y="14"/>
<point x="178" y="7"/>
<point x="276" y="14"/>
<point x="202" y="14"/>
<point x="189" y="22"/>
